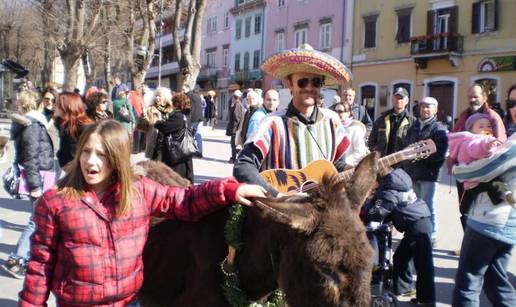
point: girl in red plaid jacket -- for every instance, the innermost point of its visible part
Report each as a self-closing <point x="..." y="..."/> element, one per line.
<point x="91" y="228"/>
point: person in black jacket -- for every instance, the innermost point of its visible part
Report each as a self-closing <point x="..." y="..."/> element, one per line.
<point x="390" y="129"/>
<point x="175" y="123"/>
<point x="34" y="152"/>
<point x="358" y="111"/>
<point x="425" y="172"/>
<point x="236" y="115"/>
<point x="396" y="201"/>
<point x="196" y="114"/>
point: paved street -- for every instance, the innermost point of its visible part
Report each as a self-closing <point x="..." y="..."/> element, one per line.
<point x="14" y="216"/>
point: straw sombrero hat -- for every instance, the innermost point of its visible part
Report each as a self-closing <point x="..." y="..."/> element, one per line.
<point x="306" y="59"/>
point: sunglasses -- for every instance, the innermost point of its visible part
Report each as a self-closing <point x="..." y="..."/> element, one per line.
<point x="511" y="103"/>
<point x="316" y="82"/>
<point x="48" y="99"/>
<point x="340" y="111"/>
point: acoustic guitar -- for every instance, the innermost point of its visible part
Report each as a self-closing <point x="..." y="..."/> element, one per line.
<point x="307" y="178"/>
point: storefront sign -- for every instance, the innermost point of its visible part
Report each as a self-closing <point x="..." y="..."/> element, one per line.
<point x="503" y="63"/>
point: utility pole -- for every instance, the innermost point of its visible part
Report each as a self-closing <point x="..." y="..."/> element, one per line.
<point x="159" y="41"/>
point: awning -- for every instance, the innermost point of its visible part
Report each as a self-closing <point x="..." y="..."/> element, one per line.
<point x="16" y="68"/>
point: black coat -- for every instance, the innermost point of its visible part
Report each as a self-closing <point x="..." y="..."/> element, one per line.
<point x="392" y="201"/>
<point x="379" y="137"/>
<point x="33" y="147"/>
<point x="211" y="110"/>
<point x="236" y="115"/>
<point x="427" y="169"/>
<point x="67" y="144"/>
<point x="196" y="101"/>
<point x="175" y="123"/>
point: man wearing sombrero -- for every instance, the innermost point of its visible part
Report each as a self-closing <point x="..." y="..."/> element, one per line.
<point x="301" y="133"/>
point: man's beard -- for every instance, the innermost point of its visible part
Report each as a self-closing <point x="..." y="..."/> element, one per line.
<point x="474" y="106"/>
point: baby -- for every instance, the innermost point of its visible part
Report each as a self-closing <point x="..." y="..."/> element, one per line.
<point x="477" y="143"/>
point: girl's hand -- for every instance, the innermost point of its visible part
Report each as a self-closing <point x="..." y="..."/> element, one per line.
<point x="493" y="144"/>
<point x="246" y="191"/>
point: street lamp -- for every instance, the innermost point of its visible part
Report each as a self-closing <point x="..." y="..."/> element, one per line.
<point x="159" y="40"/>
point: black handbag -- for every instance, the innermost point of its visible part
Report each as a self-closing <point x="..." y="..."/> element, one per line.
<point x="181" y="146"/>
<point x="123" y="112"/>
<point x="11" y="180"/>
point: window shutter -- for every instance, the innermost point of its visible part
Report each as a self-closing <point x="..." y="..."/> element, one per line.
<point x="496" y="15"/>
<point x="475" y="18"/>
<point x="454" y="19"/>
<point x="430" y="22"/>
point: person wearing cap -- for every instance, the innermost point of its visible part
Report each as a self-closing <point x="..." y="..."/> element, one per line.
<point x="358" y="111"/>
<point x="390" y="129"/>
<point x="301" y="133"/>
<point x="425" y="172"/>
<point x="236" y="115"/>
<point x="119" y="105"/>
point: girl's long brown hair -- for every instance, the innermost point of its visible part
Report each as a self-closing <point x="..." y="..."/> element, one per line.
<point x="74" y="112"/>
<point x="118" y="152"/>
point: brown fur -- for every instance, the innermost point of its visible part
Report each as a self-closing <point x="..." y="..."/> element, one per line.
<point x="313" y="247"/>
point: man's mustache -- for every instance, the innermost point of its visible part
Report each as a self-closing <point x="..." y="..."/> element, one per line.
<point x="313" y="93"/>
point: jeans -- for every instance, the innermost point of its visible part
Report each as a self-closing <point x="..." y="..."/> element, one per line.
<point x="23" y="246"/>
<point x="483" y="259"/>
<point x="415" y="245"/>
<point x="197" y="135"/>
<point x="426" y="191"/>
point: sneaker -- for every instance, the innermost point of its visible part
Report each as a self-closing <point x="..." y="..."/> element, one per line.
<point x="411" y="292"/>
<point x="14" y="268"/>
<point x="418" y="303"/>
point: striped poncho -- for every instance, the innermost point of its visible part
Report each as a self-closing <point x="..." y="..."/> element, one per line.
<point x="285" y="142"/>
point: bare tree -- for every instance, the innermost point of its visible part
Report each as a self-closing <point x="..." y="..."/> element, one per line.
<point x="189" y="52"/>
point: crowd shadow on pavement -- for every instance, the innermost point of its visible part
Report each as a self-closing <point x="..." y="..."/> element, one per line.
<point x="8" y="303"/>
<point x="215" y="160"/>
<point x="8" y="225"/>
<point x="205" y="139"/>
<point x="20" y="205"/>
<point x="7" y="249"/>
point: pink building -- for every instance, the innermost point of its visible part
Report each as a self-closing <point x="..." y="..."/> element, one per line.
<point x="320" y="23"/>
<point x="218" y="25"/>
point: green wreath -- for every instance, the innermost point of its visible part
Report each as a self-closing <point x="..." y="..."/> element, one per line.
<point x="235" y="296"/>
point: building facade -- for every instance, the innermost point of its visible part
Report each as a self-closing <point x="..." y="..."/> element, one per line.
<point x="216" y="53"/>
<point x="247" y="42"/>
<point x="433" y="48"/>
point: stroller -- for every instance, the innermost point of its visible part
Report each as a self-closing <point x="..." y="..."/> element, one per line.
<point x="380" y="236"/>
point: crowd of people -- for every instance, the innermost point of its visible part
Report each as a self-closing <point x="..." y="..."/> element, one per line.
<point x="87" y="141"/>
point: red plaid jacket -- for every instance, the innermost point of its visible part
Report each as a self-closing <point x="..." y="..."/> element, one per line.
<point x="85" y="255"/>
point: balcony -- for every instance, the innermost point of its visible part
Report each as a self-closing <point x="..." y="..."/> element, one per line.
<point x="247" y="5"/>
<point x="208" y="73"/>
<point x="434" y="46"/>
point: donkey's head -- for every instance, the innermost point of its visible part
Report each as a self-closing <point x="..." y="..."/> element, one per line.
<point x="326" y="257"/>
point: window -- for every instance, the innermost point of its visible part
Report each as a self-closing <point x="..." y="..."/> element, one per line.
<point x="300" y="36"/>
<point x="210" y="58"/>
<point x="238" y="29"/>
<point x="225" y="56"/>
<point x="368" y="98"/>
<point x="256" y="59"/>
<point x="280" y="41"/>
<point x="240" y="2"/>
<point x="212" y="25"/>
<point x="257" y="24"/>
<point x="237" y="62"/>
<point x="246" y="61"/>
<point x="485" y="16"/>
<point x="370" y="31"/>
<point x="403" y="33"/>
<point x="226" y="20"/>
<point x="281" y="3"/>
<point x="325" y="36"/>
<point x="248" y="26"/>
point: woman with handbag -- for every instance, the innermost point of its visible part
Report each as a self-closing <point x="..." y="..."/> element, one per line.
<point x="176" y="126"/>
<point x="71" y="119"/>
<point x="123" y="110"/>
<point x="34" y="153"/>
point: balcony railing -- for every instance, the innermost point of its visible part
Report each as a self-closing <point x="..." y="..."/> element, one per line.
<point x="208" y="73"/>
<point x="246" y="75"/>
<point x="436" y="43"/>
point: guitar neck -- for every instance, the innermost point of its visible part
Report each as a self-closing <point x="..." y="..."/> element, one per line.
<point x="382" y="162"/>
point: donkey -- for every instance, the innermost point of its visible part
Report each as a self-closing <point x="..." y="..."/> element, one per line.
<point x="313" y="247"/>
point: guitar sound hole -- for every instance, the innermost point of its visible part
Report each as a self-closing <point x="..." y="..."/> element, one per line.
<point x="308" y="185"/>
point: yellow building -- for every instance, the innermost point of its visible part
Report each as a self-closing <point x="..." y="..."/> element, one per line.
<point x="433" y="48"/>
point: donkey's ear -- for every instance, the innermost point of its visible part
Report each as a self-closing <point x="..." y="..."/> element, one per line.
<point x="363" y="180"/>
<point x="297" y="212"/>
